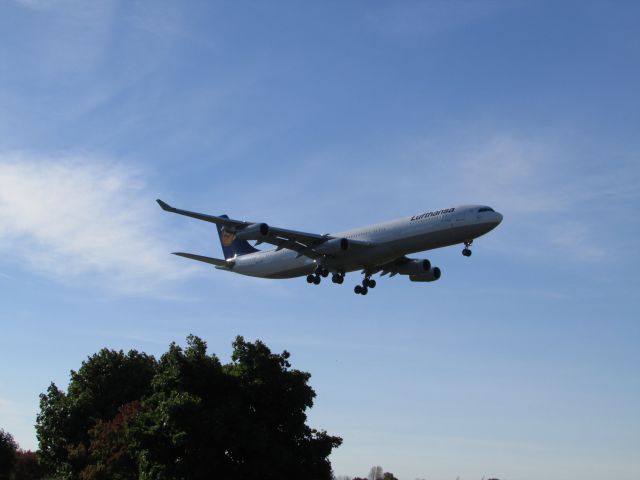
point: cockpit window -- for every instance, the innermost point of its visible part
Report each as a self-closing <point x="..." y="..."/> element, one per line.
<point x="485" y="209"/>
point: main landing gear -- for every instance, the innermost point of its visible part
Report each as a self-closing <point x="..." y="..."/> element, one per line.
<point x="320" y="273"/>
<point x="467" y="252"/>
<point x="367" y="283"/>
<point x="338" y="277"/>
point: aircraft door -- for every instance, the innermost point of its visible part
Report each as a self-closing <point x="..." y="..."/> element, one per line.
<point x="458" y="217"/>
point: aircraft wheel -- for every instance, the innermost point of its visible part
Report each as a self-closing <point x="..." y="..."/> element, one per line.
<point x="372" y="284"/>
<point x="324" y="272"/>
<point x="310" y="278"/>
<point x="364" y="291"/>
<point x="466" y="252"/>
<point x="357" y="289"/>
<point x="340" y="280"/>
<point x="316" y="280"/>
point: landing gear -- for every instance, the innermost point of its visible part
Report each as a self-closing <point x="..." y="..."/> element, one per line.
<point x="321" y="272"/>
<point x="337" y="278"/>
<point x="367" y="283"/>
<point x="467" y="252"/>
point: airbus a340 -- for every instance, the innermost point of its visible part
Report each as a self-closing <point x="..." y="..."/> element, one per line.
<point x="381" y="248"/>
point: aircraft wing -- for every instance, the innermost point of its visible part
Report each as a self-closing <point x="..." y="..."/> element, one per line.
<point x="311" y="245"/>
<point x="225" y="222"/>
<point x="307" y="244"/>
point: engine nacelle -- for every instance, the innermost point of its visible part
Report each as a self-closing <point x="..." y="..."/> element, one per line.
<point x="254" y="231"/>
<point x="333" y="247"/>
<point x="430" y="276"/>
<point x="414" y="267"/>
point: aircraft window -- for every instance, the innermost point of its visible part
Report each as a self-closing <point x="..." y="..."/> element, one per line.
<point x="485" y="209"/>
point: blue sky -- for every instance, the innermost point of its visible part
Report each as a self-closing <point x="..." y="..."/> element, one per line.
<point x="521" y="362"/>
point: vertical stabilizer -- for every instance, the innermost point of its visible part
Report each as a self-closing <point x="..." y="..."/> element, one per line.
<point x="232" y="247"/>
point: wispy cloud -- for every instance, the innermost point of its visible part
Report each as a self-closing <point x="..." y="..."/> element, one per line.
<point x="84" y="219"/>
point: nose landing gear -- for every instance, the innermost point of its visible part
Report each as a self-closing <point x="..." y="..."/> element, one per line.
<point x="467" y="252"/>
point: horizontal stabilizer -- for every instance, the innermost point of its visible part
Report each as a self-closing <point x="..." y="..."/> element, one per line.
<point x="200" y="258"/>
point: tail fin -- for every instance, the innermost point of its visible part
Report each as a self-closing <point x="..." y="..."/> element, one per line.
<point x="232" y="247"/>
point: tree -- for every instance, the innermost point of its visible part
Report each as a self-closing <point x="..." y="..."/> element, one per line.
<point x="375" y="473"/>
<point x="112" y="457"/>
<point x="8" y="451"/>
<point x="15" y="463"/>
<point x="186" y="416"/>
<point x="389" y="476"/>
<point x="104" y="382"/>
<point x="245" y="419"/>
<point x="27" y="466"/>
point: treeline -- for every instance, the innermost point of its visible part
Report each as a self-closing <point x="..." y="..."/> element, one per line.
<point x="185" y="416"/>
<point x="18" y="464"/>
<point x="376" y="473"/>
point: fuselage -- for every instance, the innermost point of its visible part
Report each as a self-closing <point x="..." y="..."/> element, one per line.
<point x="390" y="240"/>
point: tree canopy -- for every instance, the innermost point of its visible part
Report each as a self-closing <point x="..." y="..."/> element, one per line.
<point x="8" y="450"/>
<point x="130" y="416"/>
<point x="15" y="463"/>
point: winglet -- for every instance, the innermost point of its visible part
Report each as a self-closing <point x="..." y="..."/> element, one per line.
<point x="165" y="206"/>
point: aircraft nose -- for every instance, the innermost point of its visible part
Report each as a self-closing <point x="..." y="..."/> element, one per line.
<point x="498" y="218"/>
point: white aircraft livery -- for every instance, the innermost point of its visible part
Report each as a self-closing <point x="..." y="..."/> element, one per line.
<point x="381" y="248"/>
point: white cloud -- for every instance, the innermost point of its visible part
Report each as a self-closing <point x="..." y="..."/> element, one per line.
<point x="83" y="219"/>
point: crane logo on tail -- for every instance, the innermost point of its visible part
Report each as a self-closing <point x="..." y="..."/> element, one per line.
<point x="227" y="237"/>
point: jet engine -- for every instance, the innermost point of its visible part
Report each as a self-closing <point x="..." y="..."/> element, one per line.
<point x="255" y="231"/>
<point x="414" y="267"/>
<point x="433" y="274"/>
<point x="333" y="247"/>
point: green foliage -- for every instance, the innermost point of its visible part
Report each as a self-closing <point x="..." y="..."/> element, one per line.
<point x="8" y="451"/>
<point x="184" y="417"/>
<point x="105" y="382"/>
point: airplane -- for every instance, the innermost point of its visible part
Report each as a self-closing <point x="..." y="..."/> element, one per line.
<point x="381" y="248"/>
